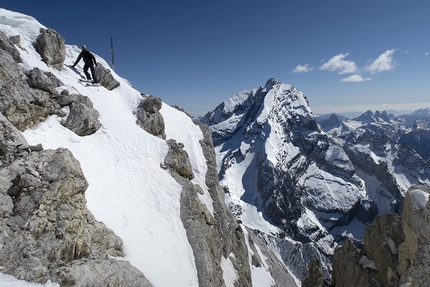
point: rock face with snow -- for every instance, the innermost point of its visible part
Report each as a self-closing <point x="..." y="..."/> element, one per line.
<point x="212" y="236"/>
<point x="319" y="184"/>
<point x="24" y="104"/>
<point x="47" y="231"/>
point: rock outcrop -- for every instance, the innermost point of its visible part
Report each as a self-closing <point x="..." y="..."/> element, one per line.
<point x="51" y="47"/>
<point x="149" y="117"/>
<point x="177" y="160"/>
<point x="396" y="248"/>
<point x="262" y="256"/>
<point x="211" y="236"/>
<point x="316" y="276"/>
<point x="12" y="142"/>
<point x="106" y="78"/>
<point x="82" y="118"/>
<point x="414" y="252"/>
<point x="23" y="105"/>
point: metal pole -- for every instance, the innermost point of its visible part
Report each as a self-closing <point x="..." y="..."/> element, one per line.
<point x="112" y="51"/>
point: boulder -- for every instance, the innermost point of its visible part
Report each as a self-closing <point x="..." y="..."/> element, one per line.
<point x="105" y="77"/>
<point x="149" y="117"/>
<point x="82" y="118"/>
<point x="51" y="47"/>
<point x="177" y="160"/>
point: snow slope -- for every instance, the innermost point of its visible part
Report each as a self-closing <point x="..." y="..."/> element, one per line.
<point x="128" y="190"/>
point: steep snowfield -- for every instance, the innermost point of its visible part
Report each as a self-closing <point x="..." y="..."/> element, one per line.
<point x="128" y="190"/>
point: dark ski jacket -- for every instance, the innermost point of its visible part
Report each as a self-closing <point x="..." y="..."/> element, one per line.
<point x="89" y="58"/>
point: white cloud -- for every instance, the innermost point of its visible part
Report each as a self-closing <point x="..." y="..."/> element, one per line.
<point x="356" y="79"/>
<point x="427" y="53"/>
<point x="302" y="69"/>
<point x="338" y="64"/>
<point x="384" y="62"/>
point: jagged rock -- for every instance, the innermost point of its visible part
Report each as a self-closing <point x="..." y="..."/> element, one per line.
<point x="397" y="248"/>
<point x="12" y="142"/>
<point x="46" y="226"/>
<point x="177" y="159"/>
<point x="347" y="269"/>
<point x="381" y="241"/>
<point x="82" y="118"/>
<point x="149" y="117"/>
<point x="414" y="252"/>
<point x="51" y="47"/>
<point x="106" y="78"/>
<point x="316" y="276"/>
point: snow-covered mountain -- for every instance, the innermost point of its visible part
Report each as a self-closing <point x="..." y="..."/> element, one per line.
<point x="90" y="197"/>
<point x="103" y="185"/>
<point x="306" y="187"/>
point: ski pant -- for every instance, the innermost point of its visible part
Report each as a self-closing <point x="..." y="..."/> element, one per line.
<point x="93" y="72"/>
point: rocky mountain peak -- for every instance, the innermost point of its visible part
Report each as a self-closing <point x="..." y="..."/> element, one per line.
<point x="271" y="82"/>
<point x="318" y="188"/>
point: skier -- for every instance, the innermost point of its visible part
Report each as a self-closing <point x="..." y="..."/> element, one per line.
<point x="90" y="62"/>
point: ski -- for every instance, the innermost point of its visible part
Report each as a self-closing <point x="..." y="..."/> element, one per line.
<point x="93" y="84"/>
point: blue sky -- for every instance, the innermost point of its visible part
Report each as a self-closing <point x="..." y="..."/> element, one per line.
<point x="344" y="55"/>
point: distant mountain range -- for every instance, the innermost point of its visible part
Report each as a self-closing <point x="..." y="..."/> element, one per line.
<point x="352" y="114"/>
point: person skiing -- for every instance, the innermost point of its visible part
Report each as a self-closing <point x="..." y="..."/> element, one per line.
<point x="90" y="63"/>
